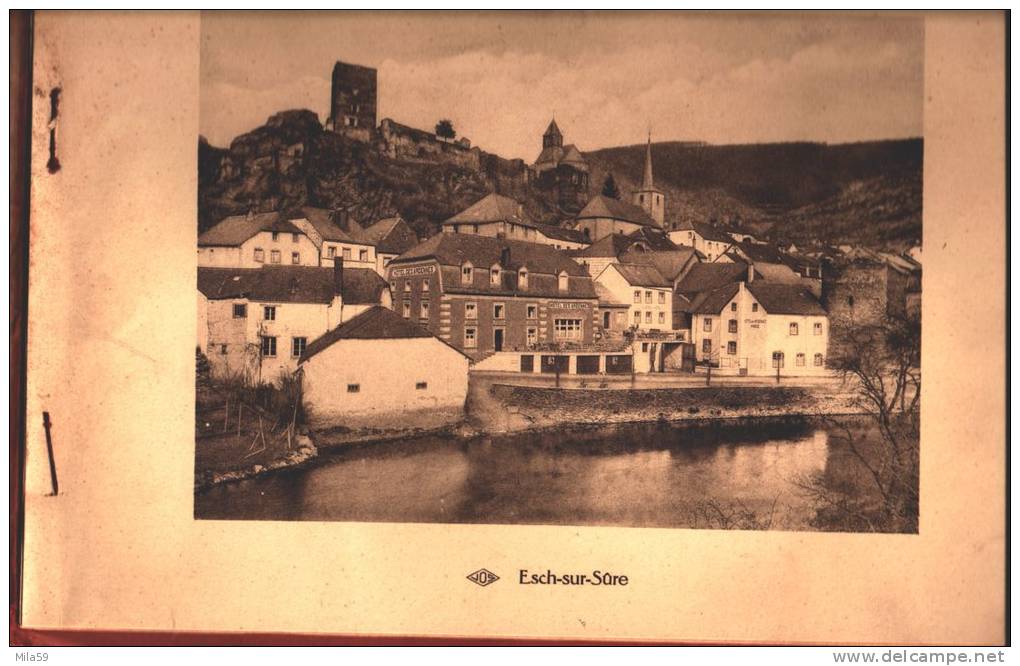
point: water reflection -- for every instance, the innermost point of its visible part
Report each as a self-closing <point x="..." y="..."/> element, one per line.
<point x="635" y="475"/>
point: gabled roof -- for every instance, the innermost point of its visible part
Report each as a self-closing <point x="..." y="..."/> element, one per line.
<point x="708" y="232"/>
<point x="390" y="235"/>
<point x="485" y="251"/>
<point x="785" y="298"/>
<point x="376" y="323"/>
<point x="323" y="221"/>
<point x="290" y="284"/>
<point x="559" y="233"/>
<point x="713" y="300"/>
<point x="760" y="252"/>
<point x="641" y="275"/>
<point x="612" y="246"/>
<point x="573" y="157"/>
<point x="553" y="129"/>
<point x="653" y="237"/>
<point x="236" y="229"/>
<point x="603" y="206"/>
<point x="490" y="208"/>
<point x="669" y="263"/>
<point x="705" y="277"/>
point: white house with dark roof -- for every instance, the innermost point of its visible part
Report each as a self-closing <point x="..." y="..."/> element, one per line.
<point x="378" y="367"/>
<point x="254" y="240"/>
<point x="604" y="216"/>
<point x="498" y="216"/>
<point x="331" y="242"/>
<point x="648" y="295"/>
<point x="256" y="322"/>
<point x="706" y="239"/>
<point x="755" y="327"/>
<point x="391" y="237"/>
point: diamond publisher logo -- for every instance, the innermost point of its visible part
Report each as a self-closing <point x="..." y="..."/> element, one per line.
<point x="482" y="577"/>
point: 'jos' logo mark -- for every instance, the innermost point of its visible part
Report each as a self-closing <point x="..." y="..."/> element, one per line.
<point x="482" y="577"/>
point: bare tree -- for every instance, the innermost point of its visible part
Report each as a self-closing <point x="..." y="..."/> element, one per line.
<point x="882" y="363"/>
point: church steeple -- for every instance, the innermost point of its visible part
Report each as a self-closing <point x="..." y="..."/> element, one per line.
<point x="648" y="198"/>
<point x="552" y="138"/>
<point x="647" y="182"/>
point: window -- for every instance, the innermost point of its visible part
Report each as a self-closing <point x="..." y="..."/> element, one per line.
<point x="274" y="257"/>
<point x="269" y="346"/>
<point x="347" y="253"/>
<point x="331" y="251"/>
<point x="733" y="326"/>
<point x="818" y="328"/>
<point x="362" y="255"/>
<point x="260" y="255"/>
<point x="794" y="329"/>
<point x="637" y="296"/>
<point x="564" y="281"/>
<point x="470" y="311"/>
<point x="295" y="257"/>
<point x="466" y="274"/>
<point x="393" y="286"/>
<point x="800" y="359"/>
<point x="754" y="307"/>
<point x="494" y="276"/>
<point x="818" y="360"/>
<point x="354" y="388"/>
<point x="850" y="301"/>
<point x="637" y="316"/>
<point x="269" y="313"/>
<point x="777" y="359"/>
<point x="407" y="309"/>
<point x="662" y="297"/>
<point x="425" y="284"/>
<point x="407" y="286"/>
<point x="522" y="278"/>
<point x="644" y="347"/>
<point x="532" y="312"/>
<point x="424" y="314"/>
<point x="662" y="317"/>
<point x="648" y="317"/>
<point x="733" y="306"/>
<point x="223" y="350"/>
<point x="276" y="236"/>
<point x="498" y="310"/>
<point x="297" y="346"/>
<point x="532" y="335"/>
<point x="568" y="329"/>
<point x="240" y="310"/>
<point x="470" y="337"/>
<point x="706" y="346"/>
<point x="294" y="238"/>
<point x="731" y="348"/>
<point x="421" y="386"/>
<point x="708" y="325"/>
<point x="648" y="297"/>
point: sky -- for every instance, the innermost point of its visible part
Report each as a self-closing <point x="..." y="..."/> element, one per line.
<point x="606" y="78"/>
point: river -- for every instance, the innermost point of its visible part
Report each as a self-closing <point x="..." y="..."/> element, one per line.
<point x="717" y="475"/>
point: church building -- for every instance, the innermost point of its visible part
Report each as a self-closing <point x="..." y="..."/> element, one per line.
<point x="562" y="170"/>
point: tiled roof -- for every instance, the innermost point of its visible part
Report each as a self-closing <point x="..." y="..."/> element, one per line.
<point x="785" y="298"/>
<point x="713" y="300"/>
<point x="705" y="277"/>
<point x="560" y="233"/>
<point x="612" y="245"/>
<point x="290" y="284"/>
<point x="573" y="157"/>
<point x="654" y="238"/>
<point x="669" y="263"/>
<point x="390" y="235"/>
<point x="708" y="232"/>
<point x="236" y="229"/>
<point x="641" y="275"/>
<point x="377" y="323"/>
<point x="603" y="206"/>
<point x="490" y="208"/>
<point x="323" y="221"/>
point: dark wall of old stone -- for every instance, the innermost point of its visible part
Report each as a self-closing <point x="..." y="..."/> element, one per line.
<point x="353" y="98"/>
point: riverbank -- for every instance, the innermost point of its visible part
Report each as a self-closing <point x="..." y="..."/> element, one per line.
<point x="496" y="406"/>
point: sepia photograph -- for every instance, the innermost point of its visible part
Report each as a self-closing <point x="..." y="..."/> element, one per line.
<point x="642" y="270"/>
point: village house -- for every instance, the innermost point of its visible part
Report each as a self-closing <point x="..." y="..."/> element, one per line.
<point x="379" y="367"/>
<point x="391" y="237"/>
<point x="704" y="238"/>
<point x="648" y="295"/>
<point x="775" y="265"/>
<point x="256" y="239"/>
<point x="604" y="216"/>
<point x="256" y="322"/>
<point x="754" y="327"/>
<point x="330" y="241"/>
<point x="701" y="278"/>
<point x="497" y="216"/>
<point x="485" y="295"/>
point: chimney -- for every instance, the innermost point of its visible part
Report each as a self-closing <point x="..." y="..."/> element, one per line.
<point x="750" y="273"/>
<point x="338" y="277"/>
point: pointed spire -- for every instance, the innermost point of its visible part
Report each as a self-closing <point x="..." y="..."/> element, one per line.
<point x="647" y="182"/>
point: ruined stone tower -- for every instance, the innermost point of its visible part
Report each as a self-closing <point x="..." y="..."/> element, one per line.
<point x="353" y="100"/>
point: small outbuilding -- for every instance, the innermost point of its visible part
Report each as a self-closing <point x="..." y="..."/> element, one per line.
<point x="381" y="369"/>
